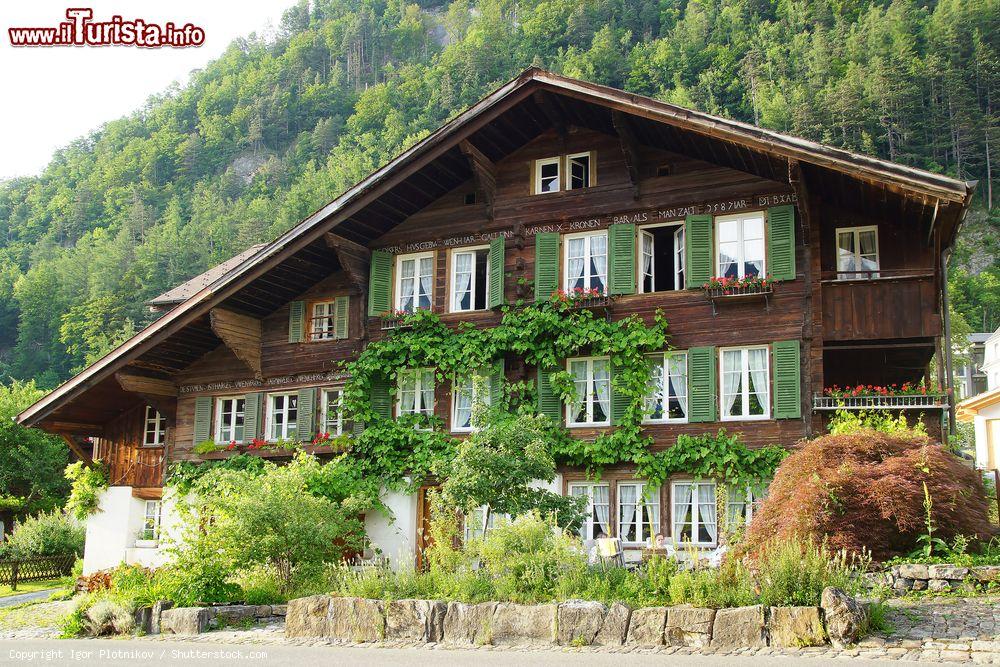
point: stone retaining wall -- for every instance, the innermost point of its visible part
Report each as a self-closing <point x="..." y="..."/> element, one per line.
<point x="935" y="578"/>
<point x="575" y="623"/>
<point x="162" y="618"/>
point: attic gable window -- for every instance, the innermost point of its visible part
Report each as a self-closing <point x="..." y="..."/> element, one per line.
<point x="563" y="172"/>
<point x="578" y="167"/>
<point x="547" y="175"/>
<point x="324" y="320"/>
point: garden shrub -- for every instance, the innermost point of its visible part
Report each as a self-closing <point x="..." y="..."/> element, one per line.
<point x="863" y="490"/>
<point x="45" y="534"/>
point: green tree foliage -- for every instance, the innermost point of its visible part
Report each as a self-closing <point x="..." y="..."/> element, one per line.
<point x="276" y="127"/>
<point x="31" y="462"/>
<point x="45" y="534"/>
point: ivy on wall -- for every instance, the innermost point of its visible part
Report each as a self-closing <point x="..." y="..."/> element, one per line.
<point x="402" y="451"/>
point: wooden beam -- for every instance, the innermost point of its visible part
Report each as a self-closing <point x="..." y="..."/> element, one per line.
<point x="75" y="448"/>
<point x="630" y="148"/>
<point x="484" y="173"/>
<point x="554" y="117"/>
<point x="142" y="384"/>
<point x="354" y="259"/>
<point x="241" y="334"/>
<point x="798" y="182"/>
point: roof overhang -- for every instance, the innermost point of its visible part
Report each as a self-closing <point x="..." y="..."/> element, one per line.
<point x="930" y="189"/>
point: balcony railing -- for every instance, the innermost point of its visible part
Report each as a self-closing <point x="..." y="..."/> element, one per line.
<point x="898" y="402"/>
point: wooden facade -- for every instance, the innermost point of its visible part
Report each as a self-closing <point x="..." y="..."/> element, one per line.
<point x="475" y="181"/>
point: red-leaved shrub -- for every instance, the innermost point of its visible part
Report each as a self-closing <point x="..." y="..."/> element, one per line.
<point x="864" y="490"/>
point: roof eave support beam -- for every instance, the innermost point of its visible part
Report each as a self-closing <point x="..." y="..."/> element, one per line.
<point x="160" y="393"/>
<point x="353" y="257"/>
<point x="797" y="180"/>
<point x="484" y="173"/>
<point x="630" y="148"/>
<point x="241" y="334"/>
<point x="76" y="449"/>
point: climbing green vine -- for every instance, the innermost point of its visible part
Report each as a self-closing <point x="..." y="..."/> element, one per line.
<point x="403" y="451"/>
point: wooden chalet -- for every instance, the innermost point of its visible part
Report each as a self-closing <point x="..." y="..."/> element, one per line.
<point x="552" y="183"/>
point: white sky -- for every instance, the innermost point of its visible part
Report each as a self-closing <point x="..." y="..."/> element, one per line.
<point x="50" y="96"/>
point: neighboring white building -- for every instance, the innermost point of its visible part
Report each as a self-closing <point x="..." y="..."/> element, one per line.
<point x="984" y="412"/>
<point x="991" y="361"/>
<point x="970" y="378"/>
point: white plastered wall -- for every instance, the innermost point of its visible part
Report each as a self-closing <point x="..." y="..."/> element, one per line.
<point x="983" y="440"/>
<point x="112" y="531"/>
<point x="394" y="534"/>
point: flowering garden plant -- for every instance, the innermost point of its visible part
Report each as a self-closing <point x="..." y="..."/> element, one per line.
<point x="578" y="294"/>
<point x="730" y="285"/>
<point x="905" y="389"/>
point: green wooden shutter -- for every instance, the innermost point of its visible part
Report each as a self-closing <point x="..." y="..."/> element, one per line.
<point x="701" y="384"/>
<point x="698" y="250"/>
<point x="549" y="402"/>
<point x="621" y="259"/>
<point x="342" y="305"/>
<point x="497" y="382"/>
<point x="380" y="283"/>
<point x="251" y="416"/>
<point x="496" y="260"/>
<point x="296" y="321"/>
<point x="305" y="425"/>
<point x="619" y="402"/>
<point x="546" y="265"/>
<point x="781" y="242"/>
<point x="381" y="398"/>
<point x="202" y="419"/>
<point x="787" y="382"/>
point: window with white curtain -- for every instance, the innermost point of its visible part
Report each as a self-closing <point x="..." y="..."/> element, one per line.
<point x="331" y="415"/>
<point x="857" y="252"/>
<point x="661" y="257"/>
<point x="587" y="262"/>
<point x="591" y="404"/>
<point x="229" y="419"/>
<point x="740" y="245"/>
<point x="741" y="504"/>
<point x="667" y="397"/>
<point x="414" y="281"/>
<point x="282" y="416"/>
<point x="155" y="429"/>
<point x="638" y="512"/>
<point x="695" y="519"/>
<point x="466" y="390"/>
<point x="597" y="517"/>
<point x="469" y="279"/>
<point x="416" y="392"/>
<point x="745" y="383"/>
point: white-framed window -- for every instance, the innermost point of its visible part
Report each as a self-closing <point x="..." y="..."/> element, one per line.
<point x="323" y="324"/>
<point x="282" y="416"/>
<point x="578" y="171"/>
<point x="470" y="279"/>
<point x="151" y="521"/>
<point x="331" y="416"/>
<point x="667" y="398"/>
<point x="638" y="512"/>
<point x="154" y="430"/>
<point x="548" y="175"/>
<point x="740" y="245"/>
<point x="466" y="391"/>
<point x="661" y="257"/>
<point x="414" y="281"/>
<point x="591" y="405"/>
<point x="597" y="513"/>
<point x="695" y="520"/>
<point x="742" y="502"/>
<point x="416" y="392"/>
<point x="857" y="252"/>
<point x="480" y="521"/>
<point x="586" y="261"/>
<point x="229" y="419"/>
<point x="746" y="385"/>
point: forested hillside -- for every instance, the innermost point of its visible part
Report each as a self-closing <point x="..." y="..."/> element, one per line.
<point x="275" y="128"/>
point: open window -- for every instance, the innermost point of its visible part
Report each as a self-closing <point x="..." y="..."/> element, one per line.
<point x="578" y="171"/>
<point x="661" y="258"/>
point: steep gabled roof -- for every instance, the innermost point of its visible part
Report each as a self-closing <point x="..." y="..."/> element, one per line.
<point x="431" y="167"/>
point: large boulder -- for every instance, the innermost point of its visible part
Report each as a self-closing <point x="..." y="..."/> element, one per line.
<point x="846" y="618"/>
<point x="947" y="572"/>
<point x="795" y="627"/>
<point x="645" y="627"/>
<point x="913" y="571"/>
<point x="579" y="622"/>
<point x="516" y="623"/>
<point x="986" y="573"/>
<point x="615" y="626"/>
<point x="231" y="614"/>
<point x="419" y="620"/>
<point x="740" y="627"/>
<point x="469" y="623"/>
<point x="308" y="617"/>
<point x="689" y="626"/>
<point x="357" y="619"/>
<point x="184" y="620"/>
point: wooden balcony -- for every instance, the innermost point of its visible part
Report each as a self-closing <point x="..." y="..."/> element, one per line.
<point x="135" y="466"/>
<point x="893" y="304"/>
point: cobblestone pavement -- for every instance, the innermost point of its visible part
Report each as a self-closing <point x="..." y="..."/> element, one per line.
<point x="943" y="630"/>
